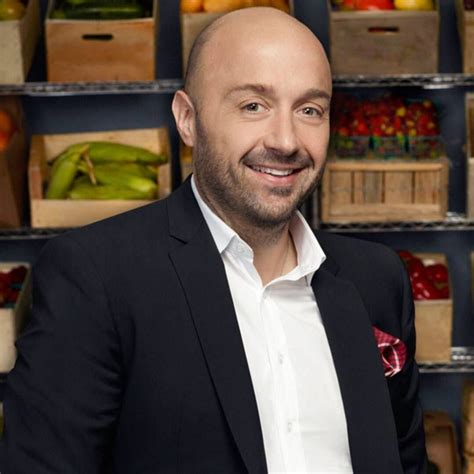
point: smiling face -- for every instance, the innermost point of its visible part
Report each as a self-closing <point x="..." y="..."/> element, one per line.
<point x="260" y="127"/>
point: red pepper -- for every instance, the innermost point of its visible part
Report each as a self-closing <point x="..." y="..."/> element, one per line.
<point x="437" y="273"/>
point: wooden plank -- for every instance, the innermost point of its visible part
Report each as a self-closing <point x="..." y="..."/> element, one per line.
<point x="18" y="41"/>
<point x="465" y="21"/>
<point x="386" y="165"/>
<point x="427" y="187"/>
<point x="88" y="50"/>
<point x="70" y="213"/>
<point x="381" y="42"/>
<point x="373" y="187"/>
<point x="341" y="188"/>
<point x="358" y="190"/>
<point x="398" y="187"/>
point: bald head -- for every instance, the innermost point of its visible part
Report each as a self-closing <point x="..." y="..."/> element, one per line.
<point x="249" y="27"/>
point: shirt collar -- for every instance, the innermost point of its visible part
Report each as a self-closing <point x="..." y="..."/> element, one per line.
<point x="310" y="254"/>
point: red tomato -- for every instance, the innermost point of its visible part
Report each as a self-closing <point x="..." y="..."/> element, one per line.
<point x="437" y="273"/>
<point x="423" y="289"/>
<point x="415" y="268"/>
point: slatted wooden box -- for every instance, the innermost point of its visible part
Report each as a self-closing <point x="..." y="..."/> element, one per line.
<point x="18" y="39"/>
<point x="71" y="213"/>
<point x="384" y="190"/>
<point x="383" y="42"/>
<point x="12" y="320"/>
<point x="434" y="321"/>
<point x="468" y="418"/>
<point x="13" y="167"/>
<point x="193" y="23"/>
<point x="465" y="20"/>
<point x="470" y="155"/>
<point x="441" y="442"/>
<point x="107" y="50"/>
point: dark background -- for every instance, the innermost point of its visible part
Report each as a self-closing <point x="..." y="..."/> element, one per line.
<point x="106" y="112"/>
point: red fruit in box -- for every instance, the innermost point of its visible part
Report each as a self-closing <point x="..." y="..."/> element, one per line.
<point x="423" y="289"/>
<point x="437" y="272"/>
<point x="415" y="268"/>
<point x="405" y="255"/>
<point x="18" y="274"/>
<point x="12" y="296"/>
<point x="444" y="292"/>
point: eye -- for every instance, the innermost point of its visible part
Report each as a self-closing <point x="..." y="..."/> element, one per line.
<point x="253" y="107"/>
<point x="311" y="112"/>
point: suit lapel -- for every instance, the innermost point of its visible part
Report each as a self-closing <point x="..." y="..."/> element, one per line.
<point x="370" y="424"/>
<point x="202" y="276"/>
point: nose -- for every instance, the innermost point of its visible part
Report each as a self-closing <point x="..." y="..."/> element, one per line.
<point x="282" y="136"/>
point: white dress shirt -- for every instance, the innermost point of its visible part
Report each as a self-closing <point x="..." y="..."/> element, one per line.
<point x="293" y="375"/>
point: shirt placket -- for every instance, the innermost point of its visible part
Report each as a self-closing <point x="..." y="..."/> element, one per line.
<point x="284" y="397"/>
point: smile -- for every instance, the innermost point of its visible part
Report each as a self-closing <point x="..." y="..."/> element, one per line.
<point x="273" y="171"/>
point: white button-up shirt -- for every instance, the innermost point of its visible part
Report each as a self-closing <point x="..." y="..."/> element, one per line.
<point x="293" y="375"/>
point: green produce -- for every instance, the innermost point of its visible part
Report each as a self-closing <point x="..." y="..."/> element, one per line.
<point x="103" y="11"/>
<point x="111" y="152"/>
<point x="86" y="190"/>
<point x="136" y="169"/>
<point x="62" y="175"/>
<point x="118" y="177"/>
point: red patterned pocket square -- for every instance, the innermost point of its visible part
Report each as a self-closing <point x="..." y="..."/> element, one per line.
<point x="392" y="351"/>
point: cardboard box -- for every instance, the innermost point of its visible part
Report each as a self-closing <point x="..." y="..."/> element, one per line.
<point x="71" y="213"/>
<point x="18" y="39"/>
<point x="384" y="190"/>
<point x="106" y="50"/>
<point x="433" y="322"/>
<point x="13" y="320"/>
<point x="470" y="155"/>
<point x="383" y="42"/>
<point x="13" y="167"/>
<point x="193" y="23"/>
<point x="441" y="444"/>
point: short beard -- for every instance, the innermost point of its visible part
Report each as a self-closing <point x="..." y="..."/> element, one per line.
<point x="224" y="188"/>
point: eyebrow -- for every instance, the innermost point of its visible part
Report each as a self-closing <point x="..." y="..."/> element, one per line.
<point x="313" y="93"/>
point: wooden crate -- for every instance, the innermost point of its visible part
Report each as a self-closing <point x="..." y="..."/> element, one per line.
<point x="193" y="23"/>
<point x="466" y="36"/>
<point x="384" y="190"/>
<point x="441" y="443"/>
<point x="18" y="39"/>
<point x="433" y="322"/>
<point x="383" y="42"/>
<point x="186" y="160"/>
<point x="107" y="50"/>
<point x="468" y="463"/>
<point x="13" y="168"/>
<point x="70" y="213"/>
<point x="470" y="155"/>
<point x="13" y="320"/>
<point x="468" y="417"/>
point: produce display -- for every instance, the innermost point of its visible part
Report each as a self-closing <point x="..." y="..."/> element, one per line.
<point x="10" y="285"/>
<point x="218" y="6"/>
<point x="104" y="170"/>
<point x="389" y="127"/>
<point x="383" y="4"/>
<point x="7" y="129"/>
<point x="429" y="281"/>
<point x="101" y="9"/>
<point x="11" y="10"/>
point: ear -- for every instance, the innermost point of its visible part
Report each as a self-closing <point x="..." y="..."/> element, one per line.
<point x="184" y="115"/>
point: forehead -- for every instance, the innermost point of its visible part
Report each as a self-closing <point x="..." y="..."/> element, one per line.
<point x="286" y="63"/>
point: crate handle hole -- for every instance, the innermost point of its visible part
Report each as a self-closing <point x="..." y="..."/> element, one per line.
<point x="106" y="37"/>
<point x="384" y="30"/>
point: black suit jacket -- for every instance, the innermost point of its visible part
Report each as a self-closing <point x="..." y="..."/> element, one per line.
<point x="133" y="361"/>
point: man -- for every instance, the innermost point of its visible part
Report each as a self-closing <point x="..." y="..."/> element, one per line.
<point x="212" y="332"/>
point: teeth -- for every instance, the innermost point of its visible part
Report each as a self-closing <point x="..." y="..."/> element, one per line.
<point x="272" y="171"/>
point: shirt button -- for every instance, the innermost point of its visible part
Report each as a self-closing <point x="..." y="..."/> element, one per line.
<point x="281" y="358"/>
<point x="289" y="427"/>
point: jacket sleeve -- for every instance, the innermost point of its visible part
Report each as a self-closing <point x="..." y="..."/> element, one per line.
<point x="62" y="398"/>
<point x="404" y="392"/>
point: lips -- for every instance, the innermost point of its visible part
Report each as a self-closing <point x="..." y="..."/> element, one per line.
<point x="274" y="171"/>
